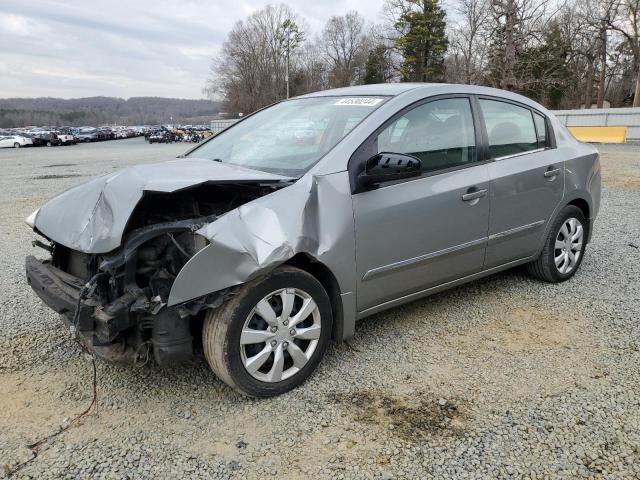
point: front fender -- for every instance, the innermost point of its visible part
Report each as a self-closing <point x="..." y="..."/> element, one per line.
<point x="314" y="216"/>
<point x="245" y="243"/>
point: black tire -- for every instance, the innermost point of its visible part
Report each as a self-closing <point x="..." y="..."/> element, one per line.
<point x="223" y="327"/>
<point x="16" y="145"/>
<point x="48" y="144"/>
<point x="544" y="267"/>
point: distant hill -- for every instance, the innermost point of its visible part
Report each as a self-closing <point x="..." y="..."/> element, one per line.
<point x="20" y="112"/>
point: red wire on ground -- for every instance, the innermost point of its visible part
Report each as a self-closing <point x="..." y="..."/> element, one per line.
<point x="34" y="447"/>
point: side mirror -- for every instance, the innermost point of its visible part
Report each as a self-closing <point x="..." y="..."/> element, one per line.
<point x="386" y="167"/>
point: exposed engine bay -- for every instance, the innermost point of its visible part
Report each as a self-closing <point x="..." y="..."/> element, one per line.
<point x="116" y="302"/>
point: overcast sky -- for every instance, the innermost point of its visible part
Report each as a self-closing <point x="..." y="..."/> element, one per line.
<point x="128" y="48"/>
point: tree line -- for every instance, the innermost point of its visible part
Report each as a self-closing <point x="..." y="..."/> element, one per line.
<point x="562" y="53"/>
<point x="21" y="112"/>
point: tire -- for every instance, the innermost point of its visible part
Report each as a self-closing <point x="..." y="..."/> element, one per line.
<point x="16" y="145"/>
<point x="545" y="267"/>
<point x="48" y="144"/>
<point x="223" y="329"/>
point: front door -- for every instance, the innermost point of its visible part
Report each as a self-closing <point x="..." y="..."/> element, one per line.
<point x="429" y="230"/>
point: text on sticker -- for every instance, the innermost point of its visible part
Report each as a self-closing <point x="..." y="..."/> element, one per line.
<point x="359" y="101"/>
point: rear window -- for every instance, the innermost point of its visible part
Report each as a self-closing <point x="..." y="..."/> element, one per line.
<point x="510" y="128"/>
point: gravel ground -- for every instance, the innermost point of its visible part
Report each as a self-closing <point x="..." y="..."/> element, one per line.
<point x="506" y="377"/>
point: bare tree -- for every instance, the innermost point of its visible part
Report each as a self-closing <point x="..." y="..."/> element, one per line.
<point x="345" y="46"/>
<point x="517" y="26"/>
<point x="595" y="17"/>
<point x="625" y="20"/>
<point x="312" y="74"/>
<point x="469" y="38"/>
<point x="250" y="71"/>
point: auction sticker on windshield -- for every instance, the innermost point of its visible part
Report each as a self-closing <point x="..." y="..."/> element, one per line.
<point x="359" y="101"/>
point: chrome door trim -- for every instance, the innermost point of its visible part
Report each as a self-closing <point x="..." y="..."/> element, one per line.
<point x="520" y="154"/>
<point x="438" y="288"/>
<point x="516" y="230"/>
<point x="415" y="261"/>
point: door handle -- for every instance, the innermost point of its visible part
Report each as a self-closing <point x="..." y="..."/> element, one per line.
<point x="474" y="195"/>
<point x="551" y="172"/>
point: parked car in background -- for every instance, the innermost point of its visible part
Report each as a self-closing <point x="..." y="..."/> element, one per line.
<point x="86" y="134"/>
<point x="161" y="136"/>
<point x="105" y="133"/>
<point x="49" y="139"/>
<point x="36" y="140"/>
<point x="266" y="247"/>
<point x="122" y="133"/>
<point x="66" y="136"/>
<point x="14" y="141"/>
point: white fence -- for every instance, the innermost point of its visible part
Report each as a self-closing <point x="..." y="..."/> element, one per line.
<point x="219" y="125"/>
<point x="604" y="117"/>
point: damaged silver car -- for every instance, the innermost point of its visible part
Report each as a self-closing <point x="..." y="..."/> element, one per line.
<point x="272" y="238"/>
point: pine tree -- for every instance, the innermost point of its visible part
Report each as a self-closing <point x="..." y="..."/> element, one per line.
<point x="377" y="68"/>
<point x="423" y="42"/>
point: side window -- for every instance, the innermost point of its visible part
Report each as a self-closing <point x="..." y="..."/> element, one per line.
<point x="510" y="128"/>
<point x="541" y="129"/>
<point x="440" y="133"/>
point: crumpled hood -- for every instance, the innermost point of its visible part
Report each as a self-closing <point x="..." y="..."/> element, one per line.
<point x="91" y="217"/>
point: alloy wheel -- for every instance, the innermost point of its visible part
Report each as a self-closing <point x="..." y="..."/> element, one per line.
<point x="280" y="335"/>
<point x="568" y="246"/>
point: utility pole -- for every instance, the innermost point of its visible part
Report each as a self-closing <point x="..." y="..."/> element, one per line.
<point x="636" y="95"/>
<point x="286" y="75"/>
<point x="293" y="39"/>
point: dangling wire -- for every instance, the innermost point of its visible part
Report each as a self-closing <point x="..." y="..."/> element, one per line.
<point x="35" y="447"/>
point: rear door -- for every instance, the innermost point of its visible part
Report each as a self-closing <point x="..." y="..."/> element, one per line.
<point x="527" y="179"/>
<point x="418" y="233"/>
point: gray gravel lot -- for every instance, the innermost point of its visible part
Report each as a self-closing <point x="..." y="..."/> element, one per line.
<point x="506" y="377"/>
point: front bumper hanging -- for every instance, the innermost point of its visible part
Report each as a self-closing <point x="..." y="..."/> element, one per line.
<point x="61" y="292"/>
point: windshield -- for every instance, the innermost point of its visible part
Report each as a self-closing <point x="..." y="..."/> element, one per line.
<point x="289" y="137"/>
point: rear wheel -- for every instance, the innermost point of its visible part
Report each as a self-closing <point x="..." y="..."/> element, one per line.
<point x="16" y="145"/>
<point x="271" y="335"/>
<point x="564" y="247"/>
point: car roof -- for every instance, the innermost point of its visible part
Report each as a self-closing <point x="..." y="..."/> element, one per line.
<point x="424" y="90"/>
<point x="391" y="89"/>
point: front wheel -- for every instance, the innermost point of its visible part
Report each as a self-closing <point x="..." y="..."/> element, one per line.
<point x="564" y="247"/>
<point x="270" y="336"/>
<point x="16" y="145"/>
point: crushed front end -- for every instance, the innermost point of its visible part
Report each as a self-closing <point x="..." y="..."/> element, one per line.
<point x="116" y="303"/>
<point x="116" y="244"/>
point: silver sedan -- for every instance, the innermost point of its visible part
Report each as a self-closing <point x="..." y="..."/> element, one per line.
<point x="270" y="239"/>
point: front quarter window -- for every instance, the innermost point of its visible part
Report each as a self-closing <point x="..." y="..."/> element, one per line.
<point x="289" y="137"/>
